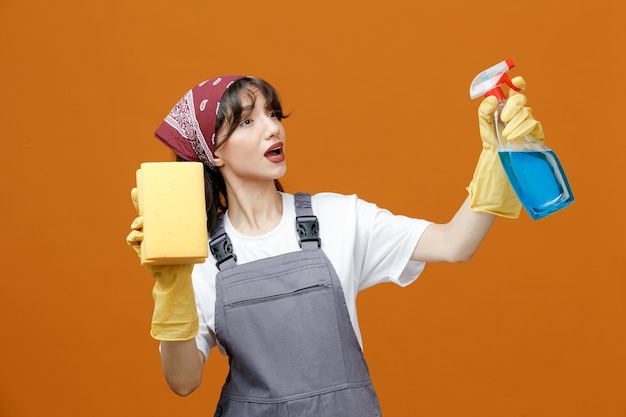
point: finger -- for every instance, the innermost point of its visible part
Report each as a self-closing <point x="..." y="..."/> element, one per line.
<point x="518" y="82"/>
<point x="522" y="130"/>
<point x="513" y="105"/>
<point x="134" y="240"/>
<point x="135" y="199"/>
<point x="137" y="224"/>
<point x="487" y="107"/>
<point x="135" y="237"/>
<point x="517" y="120"/>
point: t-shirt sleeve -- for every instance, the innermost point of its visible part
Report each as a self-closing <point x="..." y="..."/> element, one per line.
<point x="368" y="244"/>
<point x="204" y="289"/>
<point x="385" y="243"/>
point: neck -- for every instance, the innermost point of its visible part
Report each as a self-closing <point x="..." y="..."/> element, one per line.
<point x="254" y="210"/>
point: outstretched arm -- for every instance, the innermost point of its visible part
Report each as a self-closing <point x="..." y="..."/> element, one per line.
<point x="455" y="241"/>
<point x="490" y="193"/>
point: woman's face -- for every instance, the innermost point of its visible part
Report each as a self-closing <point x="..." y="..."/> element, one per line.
<point x="255" y="151"/>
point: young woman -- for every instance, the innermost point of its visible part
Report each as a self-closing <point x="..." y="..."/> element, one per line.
<point x="278" y="293"/>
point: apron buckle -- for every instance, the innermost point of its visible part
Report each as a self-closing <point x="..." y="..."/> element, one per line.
<point x="308" y="230"/>
<point x="222" y="249"/>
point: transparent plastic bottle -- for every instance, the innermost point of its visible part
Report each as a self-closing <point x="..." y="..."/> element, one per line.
<point x="535" y="173"/>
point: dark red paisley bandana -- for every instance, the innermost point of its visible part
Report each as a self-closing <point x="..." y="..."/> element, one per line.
<point x="189" y="128"/>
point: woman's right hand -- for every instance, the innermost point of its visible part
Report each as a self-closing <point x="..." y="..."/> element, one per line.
<point x="175" y="316"/>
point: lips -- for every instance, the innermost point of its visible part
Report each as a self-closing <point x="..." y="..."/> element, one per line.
<point x="275" y="153"/>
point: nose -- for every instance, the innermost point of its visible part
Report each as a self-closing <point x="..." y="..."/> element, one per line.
<point x="272" y="127"/>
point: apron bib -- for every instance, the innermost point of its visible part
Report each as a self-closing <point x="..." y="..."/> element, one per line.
<point x="286" y="329"/>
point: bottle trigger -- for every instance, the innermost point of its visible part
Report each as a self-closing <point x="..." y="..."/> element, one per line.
<point x="505" y="79"/>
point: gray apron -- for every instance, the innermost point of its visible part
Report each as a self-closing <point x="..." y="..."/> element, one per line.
<point x="285" y="326"/>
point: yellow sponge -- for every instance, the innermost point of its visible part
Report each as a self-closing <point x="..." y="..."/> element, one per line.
<point x="171" y="200"/>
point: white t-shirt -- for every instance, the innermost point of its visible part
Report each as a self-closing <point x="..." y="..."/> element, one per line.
<point x="366" y="245"/>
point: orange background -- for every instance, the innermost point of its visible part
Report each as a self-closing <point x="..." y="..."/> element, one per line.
<point x="533" y="326"/>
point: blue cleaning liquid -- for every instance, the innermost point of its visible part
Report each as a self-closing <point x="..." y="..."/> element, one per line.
<point x="539" y="181"/>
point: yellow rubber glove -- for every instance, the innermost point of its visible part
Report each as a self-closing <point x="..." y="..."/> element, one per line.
<point x="175" y="316"/>
<point x="490" y="190"/>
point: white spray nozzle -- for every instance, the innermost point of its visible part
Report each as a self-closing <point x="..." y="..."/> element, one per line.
<point x="490" y="79"/>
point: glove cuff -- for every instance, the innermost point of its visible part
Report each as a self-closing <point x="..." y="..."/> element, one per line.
<point x="175" y="315"/>
<point x="175" y="332"/>
<point x="490" y="190"/>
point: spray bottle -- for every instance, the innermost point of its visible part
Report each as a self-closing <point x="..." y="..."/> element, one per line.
<point x="532" y="168"/>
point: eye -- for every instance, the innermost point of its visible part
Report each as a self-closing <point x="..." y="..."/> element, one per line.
<point x="246" y="122"/>
<point x="275" y="114"/>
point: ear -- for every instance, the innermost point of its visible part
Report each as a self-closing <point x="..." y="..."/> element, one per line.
<point x="217" y="151"/>
<point x="217" y="160"/>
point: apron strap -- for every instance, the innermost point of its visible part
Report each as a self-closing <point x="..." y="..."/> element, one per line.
<point x="307" y="226"/>
<point x="221" y="247"/>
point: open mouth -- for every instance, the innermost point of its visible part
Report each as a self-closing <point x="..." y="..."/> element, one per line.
<point x="274" y="151"/>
